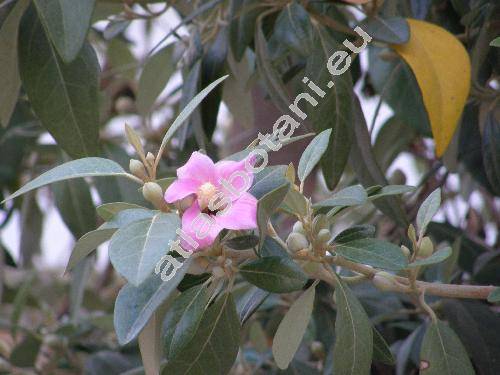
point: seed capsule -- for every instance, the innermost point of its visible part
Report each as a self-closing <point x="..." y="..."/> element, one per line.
<point x="296" y="241"/>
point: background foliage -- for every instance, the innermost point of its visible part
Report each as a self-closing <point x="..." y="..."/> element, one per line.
<point x="75" y="70"/>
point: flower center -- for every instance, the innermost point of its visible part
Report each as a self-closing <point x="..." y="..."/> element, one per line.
<point x="205" y="194"/>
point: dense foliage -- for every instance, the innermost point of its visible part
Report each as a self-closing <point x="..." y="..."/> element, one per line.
<point x="364" y="244"/>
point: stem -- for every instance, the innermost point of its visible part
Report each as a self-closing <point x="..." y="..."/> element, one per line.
<point x="402" y="285"/>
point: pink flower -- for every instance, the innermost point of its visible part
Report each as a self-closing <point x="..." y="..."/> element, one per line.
<point x="221" y="199"/>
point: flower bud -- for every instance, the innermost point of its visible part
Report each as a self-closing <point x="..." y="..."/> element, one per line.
<point x="384" y="281"/>
<point x="412" y="234"/>
<point x="426" y="247"/>
<point x="406" y="252"/>
<point x="296" y="241"/>
<point x="150" y="158"/>
<point x="137" y="169"/>
<point x="323" y="236"/>
<point x="152" y="193"/>
<point x="320" y="222"/>
<point x="298" y="227"/>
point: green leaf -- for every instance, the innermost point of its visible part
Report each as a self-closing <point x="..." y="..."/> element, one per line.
<point x="270" y="178"/>
<point x="9" y="79"/>
<point x="442" y="352"/>
<point x="272" y="80"/>
<point x="293" y="29"/>
<point x="213" y="64"/>
<point x="393" y="137"/>
<point x="468" y="248"/>
<point x="183" y="319"/>
<point x="110" y="363"/>
<point x="381" y="351"/>
<point x="107" y="210"/>
<point x="476" y="324"/>
<point x="250" y="301"/>
<point x="79" y="279"/>
<point x="64" y="96"/>
<point x="363" y="161"/>
<point x="394" y="30"/>
<point x="67" y="23"/>
<point x="437" y="257"/>
<point x="374" y="252"/>
<point x="335" y="110"/>
<point x="74" y="202"/>
<point x="244" y="15"/>
<point x="350" y="196"/>
<point x="491" y="149"/>
<point x="150" y="343"/>
<point x="494" y="296"/>
<point x="136" y="249"/>
<point x="215" y="345"/>
<point x="113" y="190"/>
<point x="86" y="167"/>
<point x="313" y="153"/>
<point x="355" y="233"/>
<point x="182" y="117"/>
<point x="495" y="42"/>
<point x="87" y="244"/>
<point x="128" y="216"/>
<point x="400" y="89"/>
<point x="390" y="190"/>
<point x="292" y="328"/>
<point x="272" y="248"/>
<point x="266" y="207"/>
<point x="428" y="209"/>
<point x="353" y="347"/>
<point x="20" y="301"/>
<point x="243" y="242"/>
<point x="32" y="229"/>
<point x="274" y="274"/>
<point x="26" y="352"/>
<point x="295" y="203"/>
<point x="154" y="78"/>
<point x="134" y="306"/>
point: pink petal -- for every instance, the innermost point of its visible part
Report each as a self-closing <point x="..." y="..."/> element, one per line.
<point x="200" y="227"/>
<point x="242" y="214"/>
<point x="235" y="175"/>
<point x="199" y="167"/>
<point x="181" y="188"/>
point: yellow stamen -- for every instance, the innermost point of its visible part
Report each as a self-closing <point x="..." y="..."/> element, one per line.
<point x="205" y="193"/>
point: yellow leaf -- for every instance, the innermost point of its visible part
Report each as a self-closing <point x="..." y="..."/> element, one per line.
<point x="442" y="68"/>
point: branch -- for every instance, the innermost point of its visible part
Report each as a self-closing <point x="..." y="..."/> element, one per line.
<point x="402" y="285"/>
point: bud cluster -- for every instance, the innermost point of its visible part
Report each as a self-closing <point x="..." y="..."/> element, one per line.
<point x="314" y="237"/>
